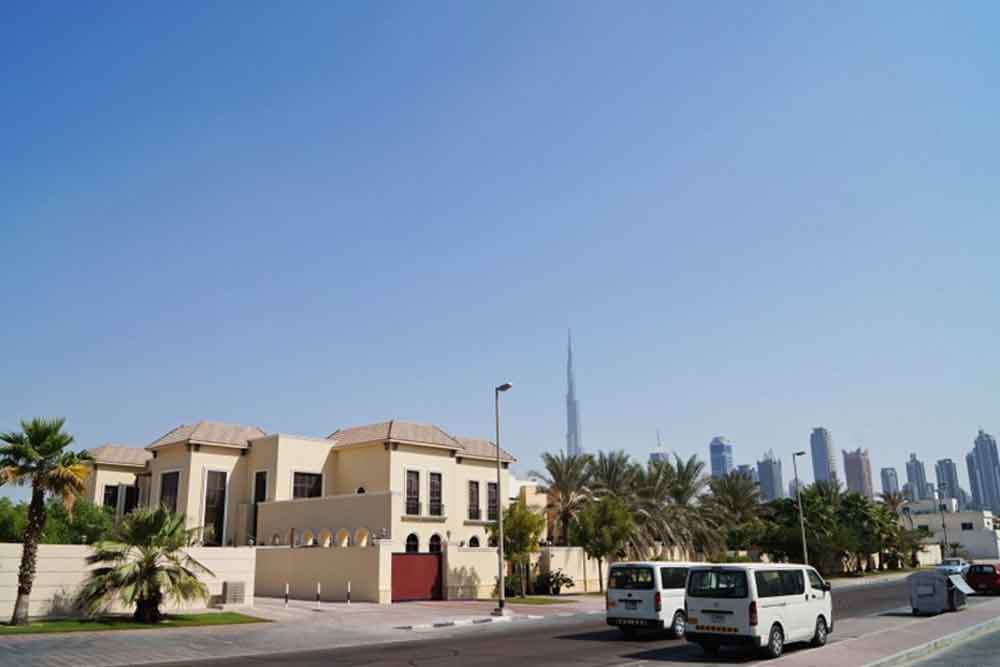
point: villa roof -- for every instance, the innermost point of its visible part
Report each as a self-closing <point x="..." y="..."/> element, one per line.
<point x="403" y="431"/>
<point x="120" y="455"/>
<point x="215" y="433"/>
<point x="486" y="449"/>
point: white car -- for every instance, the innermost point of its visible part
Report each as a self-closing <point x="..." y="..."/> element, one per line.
<point x="647" y="595"/>
<point x="762" y="606"/>
<point x="953" y="566"/>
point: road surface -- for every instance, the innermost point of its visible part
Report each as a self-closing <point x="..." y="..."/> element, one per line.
<point x="551" y="642"/>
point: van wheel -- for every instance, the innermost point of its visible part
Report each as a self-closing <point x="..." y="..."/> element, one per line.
<point x="775" y="642"/>
<point x="677" y="625"/>
<point x="628" y="632"/>
<point x="710" y="648"/>
<point x="821" y="634"/>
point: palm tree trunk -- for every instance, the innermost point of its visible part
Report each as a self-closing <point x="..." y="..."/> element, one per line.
<point x="600" y="575"/>
<point x="29" y="556"/>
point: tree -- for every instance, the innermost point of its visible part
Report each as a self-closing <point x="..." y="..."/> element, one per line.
<point x="522" y="529"/>
<point x="89" y="523"/>
<point x="893" y="500"/>
<point x="602" y="528"/>
<point x="612" y="474"/>
<point x="734" y="504"/>
<point x="144" y="564"/>
<point x="37" y="456"/>
<point x="13" y="519"/>
<point x="566" y="480"/>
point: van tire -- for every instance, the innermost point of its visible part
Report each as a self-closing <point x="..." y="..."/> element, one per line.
<point x="821" y="634"/>
<point x="775" y="642"/>
<point x="677" y="625"/>
<point x="629" y="633"/>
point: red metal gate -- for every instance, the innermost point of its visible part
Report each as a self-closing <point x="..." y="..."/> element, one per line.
<point x="416" y="577"/>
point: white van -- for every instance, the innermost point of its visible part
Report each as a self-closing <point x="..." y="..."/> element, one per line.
<point x="764" y="606"/>
<point x="647" y="595"/>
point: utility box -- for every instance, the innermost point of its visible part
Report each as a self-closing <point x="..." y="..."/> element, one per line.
<point x="234" y="592"/>
<point x="936" y="592"/>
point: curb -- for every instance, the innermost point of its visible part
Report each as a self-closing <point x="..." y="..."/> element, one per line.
<point x="491" y="619"/>
<point x="908" y="655"/>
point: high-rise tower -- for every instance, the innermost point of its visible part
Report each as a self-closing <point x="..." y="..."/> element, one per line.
<point x="574" y="445"/>
<point x="858" y="471"/>
<point x="823" y="458"/>
<point x="720" y="456"/>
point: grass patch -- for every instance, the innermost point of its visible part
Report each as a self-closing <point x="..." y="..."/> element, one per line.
<point x="126" y="623"/>
<point x="538" y="600"/>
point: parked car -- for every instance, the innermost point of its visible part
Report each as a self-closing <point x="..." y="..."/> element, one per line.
<point x="647" y="595"/>
<point x="984" y="578"/>
<point x="953" y="566"/>
<point x="759" y="606"/>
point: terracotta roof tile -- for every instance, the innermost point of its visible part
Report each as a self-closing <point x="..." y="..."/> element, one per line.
<point x="210" y="432"/>
<point x="123" y="455"/>
<point x="484" y="448"/>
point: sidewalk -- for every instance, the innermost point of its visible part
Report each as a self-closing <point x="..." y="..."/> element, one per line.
<point x="879" y="640"/>
<point x="840" y="583"/>
<point x="300" y="627"/>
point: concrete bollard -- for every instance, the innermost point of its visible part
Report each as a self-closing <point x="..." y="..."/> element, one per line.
<point x="286" y="596"/>
<point x="317" y="595"/>
<point x="348" y="591"/>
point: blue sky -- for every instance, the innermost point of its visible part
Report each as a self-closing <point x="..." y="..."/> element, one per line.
<point x="757" y="218"/>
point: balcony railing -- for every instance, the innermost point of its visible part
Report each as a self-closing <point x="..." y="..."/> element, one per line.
<point x="436" y="508"/>
<point x="475" y="514"/>
<point x="491" y="513"/>
<point x="413" y="506"/>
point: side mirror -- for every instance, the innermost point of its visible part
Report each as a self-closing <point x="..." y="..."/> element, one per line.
<point x="826" y="586"/>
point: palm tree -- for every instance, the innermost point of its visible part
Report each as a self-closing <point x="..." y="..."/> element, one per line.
<point x="37" y="456"/>
<point x="894" y="500"/>
<point x="144" y="564"/>
<point x="734" y="499"/>
<point x="612" y="474"/>
<point x="566" y="480"/>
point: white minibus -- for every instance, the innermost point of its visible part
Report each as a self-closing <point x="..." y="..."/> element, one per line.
<point x="647" y="595"/>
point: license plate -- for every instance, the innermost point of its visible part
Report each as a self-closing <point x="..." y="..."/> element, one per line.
<point x="716" y="618"/>
<point x="631" y="605"/>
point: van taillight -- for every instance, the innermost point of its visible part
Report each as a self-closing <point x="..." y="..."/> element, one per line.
<point x="753" y="613"/>
<point x="657" y="601"/>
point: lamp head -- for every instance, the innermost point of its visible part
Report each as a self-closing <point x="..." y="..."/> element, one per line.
<point x="801" y="453"/>
<point x="505" y="386"/>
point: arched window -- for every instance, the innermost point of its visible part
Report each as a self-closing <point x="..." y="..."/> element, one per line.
<point x="360" y="490"/>
<point x="412" y="543"/>
<point x="474" y="542"/>
<point x="435" y="544"/>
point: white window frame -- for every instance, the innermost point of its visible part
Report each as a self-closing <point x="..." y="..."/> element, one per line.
<point x="421" y="491"/>
<point x="291" y="482"/>
<point x="225" y="506"/>
<point x="159" y="488"/>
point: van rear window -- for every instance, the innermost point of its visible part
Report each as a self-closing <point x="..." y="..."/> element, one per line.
<point x="631" y="577"/>
<point x="673" y="577"/>
<point x="717" y="584"/>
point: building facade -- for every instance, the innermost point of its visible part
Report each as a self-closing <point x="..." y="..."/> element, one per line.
<point x="916" y="477"/>
<point x="984" y="472"/>
<point x="823" y="457"/>
<point x="114" y="473"/>
<point x="890" y="480"/>
<point x="946" y="473"/>
<point x="748" y="470"/>
<point x="720" y="456"/>
<point x="858" y="472"/>
<point x="772" y="486"/>
<point x="574" y="441"/>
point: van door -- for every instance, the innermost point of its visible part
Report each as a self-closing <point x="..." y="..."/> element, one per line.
<point x="771" y="602"/>
<point x="797" y="611"/>
<point x="672" y="583"/>
<point x="819" y="599"/>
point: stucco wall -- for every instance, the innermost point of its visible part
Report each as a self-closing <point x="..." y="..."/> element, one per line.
<point x="575" y="564"/>
<point x="369" y="512"/>
<point x="369" y="569"/>
<point x="106" y="475"/>
<point x="366" y="466"/>
<point x="62" y="569"/>
<point x="469" y="574"/>
<point x="300" y="454"/>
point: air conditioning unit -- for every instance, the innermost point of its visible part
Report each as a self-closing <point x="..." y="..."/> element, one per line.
<point x="234" y="592"/>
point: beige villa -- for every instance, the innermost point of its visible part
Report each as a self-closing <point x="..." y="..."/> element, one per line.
<point x="413" y="485"/>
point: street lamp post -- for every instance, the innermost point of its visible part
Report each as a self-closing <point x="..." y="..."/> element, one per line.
<point x="500" y="610"/>
<point x="798" y="496"/>
<point x="944" y="528"/>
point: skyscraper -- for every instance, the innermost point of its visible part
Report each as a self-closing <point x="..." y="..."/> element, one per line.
<point x="769" y="471"/>
<point x="916" y="477"/>
<point x="574" y="445"/>
<point x="858" y="471"/>
<point x="748" y="470"/>
<point x="824" y="461"/>
<point x="947" y="479"/>
<point x="984" y="472"/>
<point x="720" y="454"/>
<point x="890" y="480"/>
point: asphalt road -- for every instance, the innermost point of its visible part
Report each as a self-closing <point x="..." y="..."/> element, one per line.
<point x="551" y="642"/>
<point x="979" y="652"/>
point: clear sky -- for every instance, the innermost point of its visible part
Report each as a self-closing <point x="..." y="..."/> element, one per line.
<point x="756" y="217"/>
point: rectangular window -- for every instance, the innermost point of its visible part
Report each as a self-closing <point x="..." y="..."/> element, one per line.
<point x="492" y="501"/>
<point x="792" y="582"/>
<point x="673" y="577"/>
<point x="307" y="485"/>
<point x="215" y="508"/>
<point x="169" y="483"/>
<point x="722" y="584"/>
<point x="474" y="512"/>
<point x="967" y="526"/>
<point x="260" y="486"/>
<point x="412" y="492"/>
<point x="768" y="583"/>
<point x="815" y="580"/>
<point x="111" y="497"/>
<point x="131" y="498"/>
<point x="631" y="578"/>
<point x="436" y="506"/>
